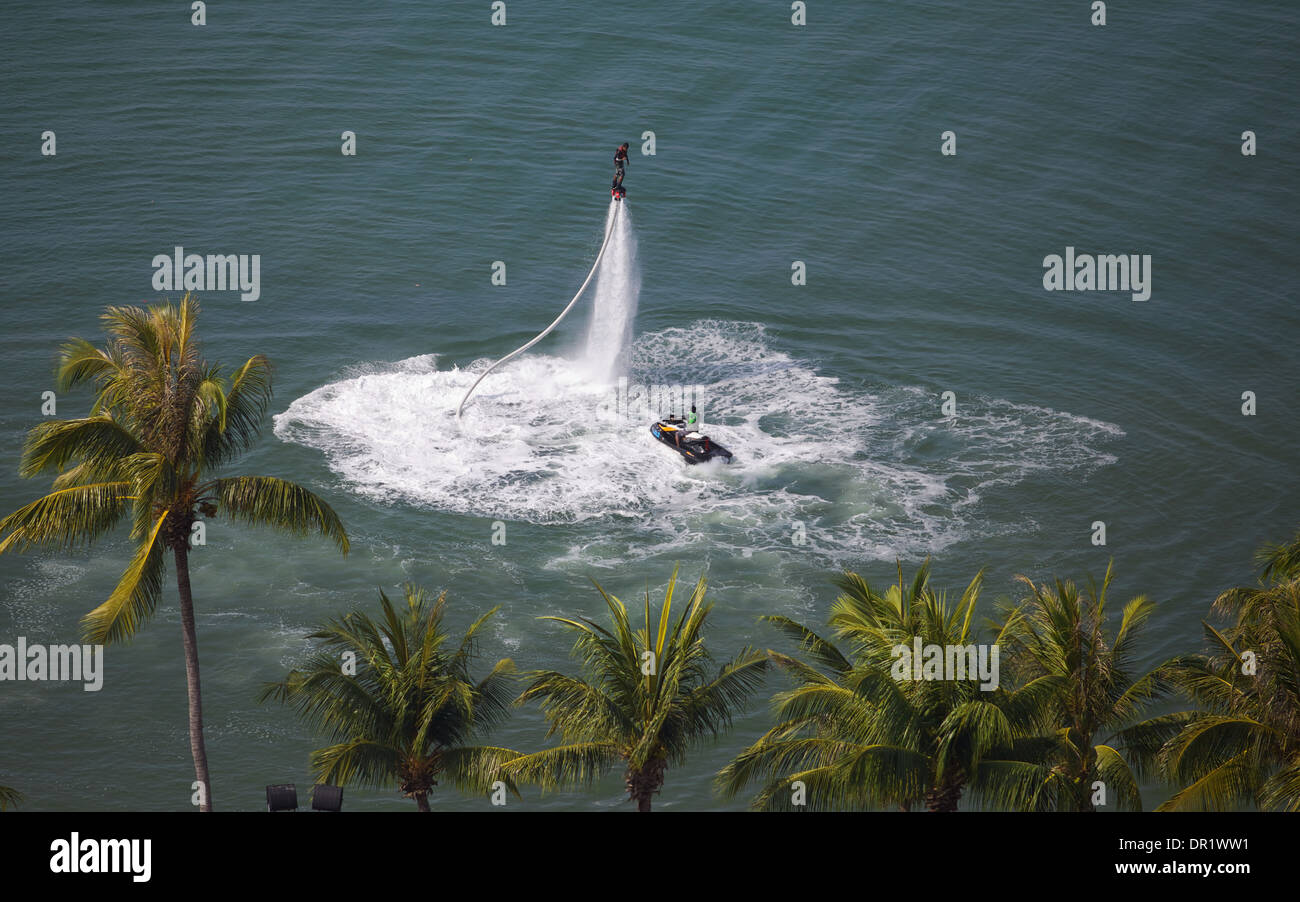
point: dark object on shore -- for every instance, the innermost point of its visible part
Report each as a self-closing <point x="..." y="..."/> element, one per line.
<point x="326" y="798"/>
<point x="282" y="797"/>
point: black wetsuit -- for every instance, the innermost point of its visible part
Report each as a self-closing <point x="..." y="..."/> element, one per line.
<point x="620" y="159"/>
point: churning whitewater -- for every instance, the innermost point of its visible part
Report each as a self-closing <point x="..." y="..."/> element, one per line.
<point x="859" y="469"/>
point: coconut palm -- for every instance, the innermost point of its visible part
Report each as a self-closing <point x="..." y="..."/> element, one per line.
<point x="645" y="698"/>
<point x="162" y="422"/>
<point x="1242" y="749"/>
<point x="1089" y="697"/>
<point x="9" y="798"/>
<point x="400" y="702"/>
<point x="854" y="733"/>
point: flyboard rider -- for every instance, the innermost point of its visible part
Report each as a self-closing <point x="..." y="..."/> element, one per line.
<point x="616" y="189"/>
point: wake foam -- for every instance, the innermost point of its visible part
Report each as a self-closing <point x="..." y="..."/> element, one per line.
<point x="869" y="474"/>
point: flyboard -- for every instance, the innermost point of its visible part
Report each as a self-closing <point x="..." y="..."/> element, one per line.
<point x="613" y="219"/>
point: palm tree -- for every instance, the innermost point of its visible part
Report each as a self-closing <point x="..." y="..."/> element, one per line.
<point x="407" y="704"/>
<point x="9" y="798"/>
<point x="851" y="734"/>
<point x="1086" y="694"/>
<point x="645" y="698"/>
<point x="1243" y="748"/>
<point x="163" y="420"/>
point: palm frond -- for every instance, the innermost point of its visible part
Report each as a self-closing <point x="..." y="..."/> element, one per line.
<point x="278" y="503"/>
<point x="136" y="595"/>
<point x="98" y="441"/>
<point x="397" y="703"/>
<point x="576" y="764"/>
<point x="66" y="518"/>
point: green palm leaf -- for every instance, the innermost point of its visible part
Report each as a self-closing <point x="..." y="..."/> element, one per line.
<point x="136" y="595"/>
<point x="65" y="518"/>
<point x="855" y="737"/>
<point x="161" y="420"/>
<point x="285" y="506"/>
<point x="1243" y="749"/>
<point x="645" y="698"/>
<point x="399" y="705"/>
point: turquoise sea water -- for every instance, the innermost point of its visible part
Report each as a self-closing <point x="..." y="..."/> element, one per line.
<point x="774" y="144"/>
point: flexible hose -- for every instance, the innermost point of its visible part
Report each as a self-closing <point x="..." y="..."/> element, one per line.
<point x="547" y="331"/>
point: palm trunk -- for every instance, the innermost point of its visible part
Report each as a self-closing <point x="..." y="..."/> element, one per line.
<point x="1083" y="793"/>
<point x="1082" y="778"/>
<point x="644" y="783"/>
<point x="422" y="801"/>
<point x="192" y="688"/>
<point x="945" y="796"/>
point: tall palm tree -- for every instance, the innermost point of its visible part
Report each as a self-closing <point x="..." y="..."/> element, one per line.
<point x="856" y="737"/>
<point x="1242" y="748"/>
<point x="162" y="422"/>
<point x="405" y="708"/>
<point x="645" y="698"/>
<point x="1088" y="698"/>
<point x="9" y="798"/>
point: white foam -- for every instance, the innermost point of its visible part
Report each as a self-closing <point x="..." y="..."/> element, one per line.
<point x="868" y="474"/>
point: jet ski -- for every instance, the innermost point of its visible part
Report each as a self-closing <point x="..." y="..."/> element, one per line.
<point x="693" y="446"/>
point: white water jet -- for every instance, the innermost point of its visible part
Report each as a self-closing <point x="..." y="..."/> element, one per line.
<point x="618" y="283"/>
<point x="610" y="219"/>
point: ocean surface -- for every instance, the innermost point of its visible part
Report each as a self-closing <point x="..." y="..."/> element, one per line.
<point x="772" y="144"/>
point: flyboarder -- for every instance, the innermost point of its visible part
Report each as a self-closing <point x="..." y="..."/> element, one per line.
<point x="616" y="189"/>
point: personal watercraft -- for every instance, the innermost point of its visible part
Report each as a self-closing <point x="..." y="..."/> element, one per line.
<point x="693" y="446"/>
